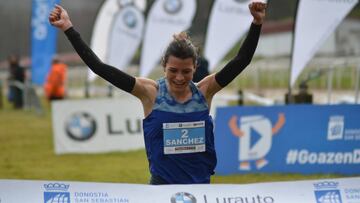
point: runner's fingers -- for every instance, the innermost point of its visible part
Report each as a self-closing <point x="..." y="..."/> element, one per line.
<point x="57" y="23"/>
<point x="61" y="9"/>
<point x="54" y="13"/>
<point x="57" y="6"/>
<point x="258" y="6"/>
<point x="53" y="17"/>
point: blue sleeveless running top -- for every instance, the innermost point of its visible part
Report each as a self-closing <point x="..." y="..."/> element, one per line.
<point x="179" y="165"/>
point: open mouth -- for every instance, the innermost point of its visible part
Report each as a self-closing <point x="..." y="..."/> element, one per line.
<point x="179" y="84"/>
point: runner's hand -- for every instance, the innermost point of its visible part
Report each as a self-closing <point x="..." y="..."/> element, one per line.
<point x="257" y="10"/>
<point x="59" y="18"/>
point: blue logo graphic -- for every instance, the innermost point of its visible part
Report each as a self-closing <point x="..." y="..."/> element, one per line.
<point x="130" y="19"/>
<point x="80" y="126"/>
<point x="336" y="128"/>
<point x="56" y="193"/>
<point x="172" y="6"/>
<point x="183" y="197"/>
<point x="327" y="192"/>
<point x="255" y="136"/>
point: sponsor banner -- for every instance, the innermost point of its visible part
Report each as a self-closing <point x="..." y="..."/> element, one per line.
<point x="342" y="190"/>
<point x="125" y="36"/>
<point x="221" y="35"/>
<point x="165" y="18"/>
<point x="315" y="21"/>
<point x="293" y="139"/>
<point x="97" y="125"/>
<point x="102" y="125"/>
<point x="101" y="31"/>
<point x="43" y="40"/>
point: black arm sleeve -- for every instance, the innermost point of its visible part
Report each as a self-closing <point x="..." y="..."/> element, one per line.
<point x="242" y="59"/>
<point x="111" y="74"/>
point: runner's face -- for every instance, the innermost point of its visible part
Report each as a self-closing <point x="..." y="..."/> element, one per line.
<point x="179" y="72"/>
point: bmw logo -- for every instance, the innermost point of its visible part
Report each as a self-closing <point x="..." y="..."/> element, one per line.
<point x="80" y="126"/>
<point x="172" y="6"/>
<point x="183" y="197"/>
<point x="130" y="19"/>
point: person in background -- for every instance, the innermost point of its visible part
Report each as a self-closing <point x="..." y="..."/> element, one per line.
<point x="16" y="81"/>
<point x="202" y="69"/>
<point x="178" y="129"/>
<point x="54" y="86"/>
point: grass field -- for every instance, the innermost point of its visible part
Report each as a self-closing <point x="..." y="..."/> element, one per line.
<point x="26" y="145"/>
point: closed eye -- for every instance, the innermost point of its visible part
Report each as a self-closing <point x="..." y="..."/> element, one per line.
<point x="172" y="70"/>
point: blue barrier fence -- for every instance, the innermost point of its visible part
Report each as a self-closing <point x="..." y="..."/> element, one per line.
<point x="293" y="139"/>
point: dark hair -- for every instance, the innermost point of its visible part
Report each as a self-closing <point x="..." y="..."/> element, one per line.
<point x="13" y="59"/>
<point x="180" y="47"/>
<point x="55" y="59"/>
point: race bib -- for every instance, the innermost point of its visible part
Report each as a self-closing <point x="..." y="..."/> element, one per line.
<point x="181" y="138"/>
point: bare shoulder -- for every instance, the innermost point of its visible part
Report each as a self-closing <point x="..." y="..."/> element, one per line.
<point x="209" y="87"/>
<point x="145" y="89"/>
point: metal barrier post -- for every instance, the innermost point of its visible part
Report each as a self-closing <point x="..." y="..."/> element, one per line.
<point x="329" y="83"/>
<point x="1" y="95"/>
<point x="357" y="84"/>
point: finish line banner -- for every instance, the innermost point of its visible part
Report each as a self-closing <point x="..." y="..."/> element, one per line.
<point x="344" y="190"/>
<point x="292" y="139"/>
